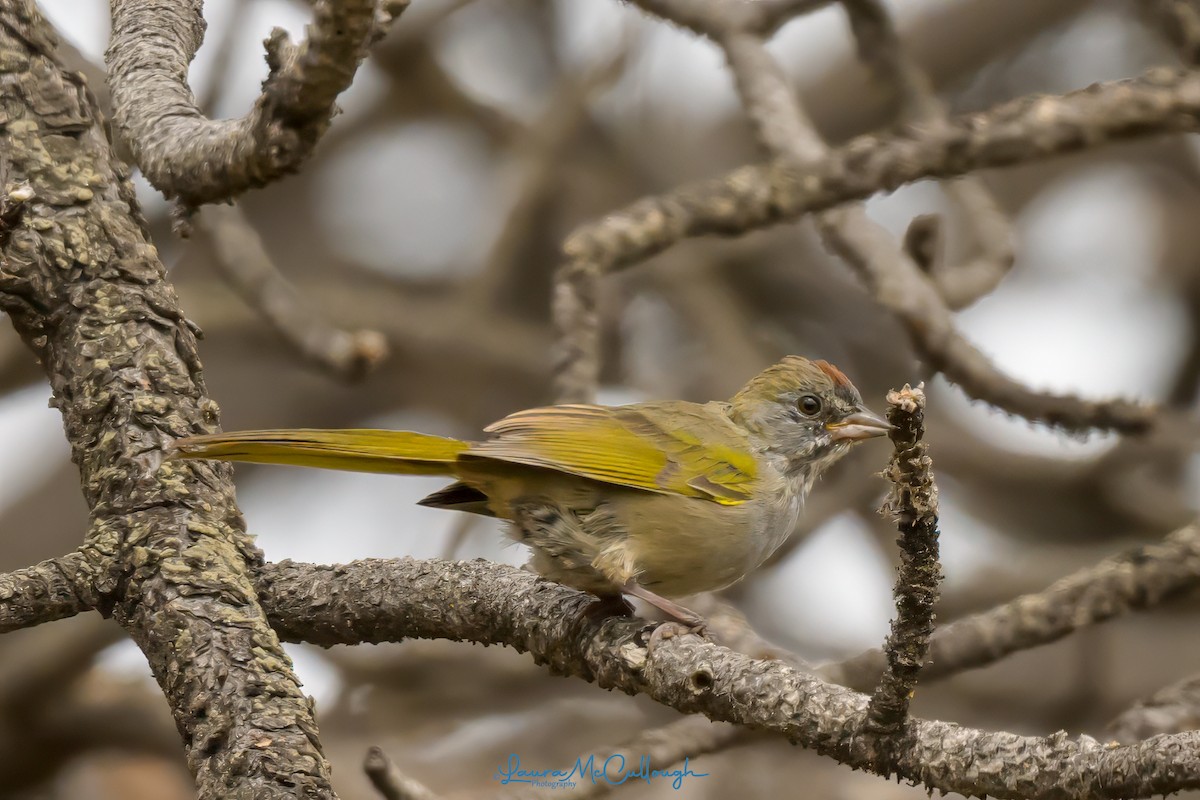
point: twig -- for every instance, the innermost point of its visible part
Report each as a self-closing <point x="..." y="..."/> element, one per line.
<point x="1180" y="21"/>
<point x="389" y="600"/>
<point x="767" y="16"/>
<point x="542" y="150"/>
<point x="243" y="260"/>
<point x="913" y="501"/>
<point x="1139" y="579"/>
<point x="1019" y="131"/>
<point x="897" y="282"/>
<point x="900" y="287"/>
<point x="198" y="160"/>
<point x="760" y="17"/>
<point x="577" y="325"/>
<point x="390" y="782"/>
<point x="810" y="178"/>
<point x="880" y="48"/>
<point x="43" y="593"/>
<point x="1173" y="709"/>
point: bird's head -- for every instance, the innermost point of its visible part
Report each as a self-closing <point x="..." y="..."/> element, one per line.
<point x="807" y="411"/>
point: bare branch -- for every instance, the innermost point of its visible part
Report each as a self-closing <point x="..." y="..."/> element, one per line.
<point x="902" y="288"/>
<point x="542" y="150"/>
<point x="390" y="782"/>
<point x="42" y="593"/>
<point x="1180" y="21"/>
<point x="913" y="501"/>
<point x="1139" y="579"/>
<point x="244" y="262"/>
<point x="896" y="281"/>
<point x="880" y="48"/>
<point x="812" y="179"/>
<point x="389" y="600"/>
<point x="199" y="160"/>
<point x="577" y="324"/>
<point x="1019" y="131"/>
<point x="1174" y="709"/>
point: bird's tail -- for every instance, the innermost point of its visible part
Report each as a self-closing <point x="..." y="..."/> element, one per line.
<point x="358" y="450"/>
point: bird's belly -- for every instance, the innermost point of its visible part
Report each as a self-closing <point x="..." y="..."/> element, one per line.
<point x="595" y="537"/>
<point x="683" y="545"/>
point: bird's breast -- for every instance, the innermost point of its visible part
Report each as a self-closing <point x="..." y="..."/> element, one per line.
<point x="686" y="545"/>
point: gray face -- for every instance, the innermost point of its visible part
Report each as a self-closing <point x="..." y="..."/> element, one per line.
<point x="806" y="411"/>
<point x="814" y="427"/>
<point x="799" y="420"/>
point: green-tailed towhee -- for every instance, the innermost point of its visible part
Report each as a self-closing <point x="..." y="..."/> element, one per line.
<point x="655" y="500"/>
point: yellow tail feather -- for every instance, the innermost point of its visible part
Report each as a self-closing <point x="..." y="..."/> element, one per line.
<point x="357" y="450"/>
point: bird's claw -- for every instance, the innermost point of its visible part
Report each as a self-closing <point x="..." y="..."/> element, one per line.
<point x="671" y="629"/>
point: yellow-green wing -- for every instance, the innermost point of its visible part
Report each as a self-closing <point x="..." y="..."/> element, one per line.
<point x="678" y="448"/>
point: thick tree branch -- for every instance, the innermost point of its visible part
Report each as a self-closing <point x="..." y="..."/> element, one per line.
<point x="1136" y="580"/>
<point x="199" y="160"/>
<point x="167" y="551"/>
<point x="390" y="600"/>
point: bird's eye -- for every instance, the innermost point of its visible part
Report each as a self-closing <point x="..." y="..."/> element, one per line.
<point x="810" y="405"/>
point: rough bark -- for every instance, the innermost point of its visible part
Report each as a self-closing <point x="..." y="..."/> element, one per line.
<point x="389" y="600"/>
<point x="85" y="289"/>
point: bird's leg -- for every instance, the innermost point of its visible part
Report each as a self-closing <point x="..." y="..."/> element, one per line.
<point x="608" y="605"/>
<point x="690" y="620"/>
<point x="668" y="607"/>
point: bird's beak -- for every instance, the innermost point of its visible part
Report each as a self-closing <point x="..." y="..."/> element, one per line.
<point x="862" y="424"/>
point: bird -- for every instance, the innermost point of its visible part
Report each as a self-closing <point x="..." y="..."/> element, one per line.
<point x="654" y="500"/>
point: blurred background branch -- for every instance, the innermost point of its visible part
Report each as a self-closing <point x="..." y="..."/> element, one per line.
<point x="475" y="137"/>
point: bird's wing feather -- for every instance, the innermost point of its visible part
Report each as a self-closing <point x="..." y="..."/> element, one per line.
<point x="687" y="450"/>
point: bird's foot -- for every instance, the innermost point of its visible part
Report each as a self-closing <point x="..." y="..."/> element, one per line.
<point x="670" y="629"/>
<point x="683" y="621"/>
